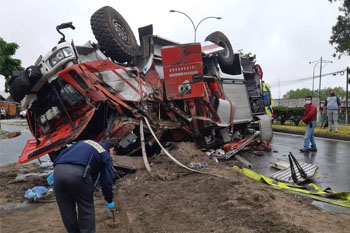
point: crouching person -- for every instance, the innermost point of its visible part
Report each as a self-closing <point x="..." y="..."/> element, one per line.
<point x="77" y="169"/>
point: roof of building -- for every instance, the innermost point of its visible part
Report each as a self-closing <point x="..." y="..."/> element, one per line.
<point x="4" y="95"/>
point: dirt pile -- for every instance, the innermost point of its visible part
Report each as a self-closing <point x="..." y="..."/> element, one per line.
<point x="175" y="200"/>
<point x="189" y="202"/>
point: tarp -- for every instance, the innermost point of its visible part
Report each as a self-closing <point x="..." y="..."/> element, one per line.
<point x="35" y="192"/>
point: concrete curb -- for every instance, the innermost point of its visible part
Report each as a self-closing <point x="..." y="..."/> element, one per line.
<point x="316" y="134"/>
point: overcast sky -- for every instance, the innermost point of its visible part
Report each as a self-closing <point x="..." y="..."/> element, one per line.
<point x="285" y="35"/>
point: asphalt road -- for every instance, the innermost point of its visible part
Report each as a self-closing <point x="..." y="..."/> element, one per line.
<point x="11" y="149"/>
<point x="332" y="159"/>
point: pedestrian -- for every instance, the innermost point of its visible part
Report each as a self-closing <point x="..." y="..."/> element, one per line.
<point x="333" y="106"/>
<point x="309" y="119"/>
<point x="3" y="113"/>
<point x="76" y="170"/>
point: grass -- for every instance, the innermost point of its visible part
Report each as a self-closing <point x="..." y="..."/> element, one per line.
<point x="343" y="130"/>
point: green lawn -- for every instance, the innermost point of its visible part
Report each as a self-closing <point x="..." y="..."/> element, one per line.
<point x="343" y="130"/>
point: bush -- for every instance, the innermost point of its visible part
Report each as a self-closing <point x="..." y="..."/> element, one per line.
<point x="294" y="114"/>
<point x="18" y="109"/>
<point x="280" y="114"/>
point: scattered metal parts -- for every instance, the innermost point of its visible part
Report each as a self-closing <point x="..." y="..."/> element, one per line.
<point x="242" y="162"/>
<point x="198" y="165"/>
<point x="127" y="140"/>
<point x="244" y="144"/>
<point x="280" y="164"/>
<point x="300" y="169"/>
<point x="285" y="175"/>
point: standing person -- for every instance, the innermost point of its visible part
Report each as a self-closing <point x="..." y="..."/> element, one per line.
<point x="3" y="113"/>
<point x="75" y="169"/>
<point x="309" y="118"/>
<point x="333" y="106"/>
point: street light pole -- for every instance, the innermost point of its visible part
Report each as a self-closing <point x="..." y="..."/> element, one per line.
<point x="313" y="76"/>
<point x="321" y="62"/>
<point x="319" y="87"/>
<point x="195" y="30"/>
<point x="195" y="27"/>
<point x="347" y="94"/>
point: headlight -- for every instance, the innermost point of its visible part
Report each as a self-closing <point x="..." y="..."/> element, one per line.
<point x="59" y="55"/>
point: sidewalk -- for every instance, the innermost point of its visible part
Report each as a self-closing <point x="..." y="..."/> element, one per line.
<point x="15" y="121"/>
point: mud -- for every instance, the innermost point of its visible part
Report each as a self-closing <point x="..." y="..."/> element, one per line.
<point x="172" y="199"/>
<point x="10" y="135"/>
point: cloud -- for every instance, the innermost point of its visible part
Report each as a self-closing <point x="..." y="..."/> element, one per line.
<point x="285" y="35"/>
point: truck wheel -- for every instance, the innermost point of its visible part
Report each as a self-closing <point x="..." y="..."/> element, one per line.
<point x="226" y="57"/>
<point x="114" y="34"/>
<point x="19" y="85"/>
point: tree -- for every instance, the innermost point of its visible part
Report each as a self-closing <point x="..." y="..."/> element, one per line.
<point x="7" y="63"/>
<point x="301" y="93"/>
<point x="341" y="30"/>
<point x="298" y="93"/>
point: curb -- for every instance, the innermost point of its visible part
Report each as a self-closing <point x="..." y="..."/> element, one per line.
<point x="3" y="134"/>
<point x="316" y="134"/>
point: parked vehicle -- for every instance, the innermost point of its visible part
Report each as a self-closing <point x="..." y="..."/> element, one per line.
<point x="23" y="114"/>
<point x="199" y="92"/>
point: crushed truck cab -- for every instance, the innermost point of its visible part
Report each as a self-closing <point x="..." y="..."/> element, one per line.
<point x="199" y="91"/>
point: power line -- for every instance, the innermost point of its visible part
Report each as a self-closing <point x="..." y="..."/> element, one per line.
<point x="292" y="81"/>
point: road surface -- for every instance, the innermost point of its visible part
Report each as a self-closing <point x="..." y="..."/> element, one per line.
<point x="332" y="159"/>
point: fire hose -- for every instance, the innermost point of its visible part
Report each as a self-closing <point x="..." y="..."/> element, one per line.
<point x="174" y="159"/>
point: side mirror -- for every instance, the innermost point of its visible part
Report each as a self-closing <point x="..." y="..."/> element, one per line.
<point x="63" y="26"/>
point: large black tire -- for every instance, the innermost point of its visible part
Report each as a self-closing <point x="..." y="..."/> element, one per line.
<point x="226" y="57"/>
<point x="34" y="74"/>
<point x="19" y="85"/>
<point x="114" y="34"/>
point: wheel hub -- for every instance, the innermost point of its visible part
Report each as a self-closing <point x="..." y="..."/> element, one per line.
<point x="122" y="34"/>
<point x="226" y="52"/>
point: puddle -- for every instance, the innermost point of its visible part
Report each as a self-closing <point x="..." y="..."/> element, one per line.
<point x="10" y="135"/>
<point x="11" y="206"/>
<point x="23" y="177"/>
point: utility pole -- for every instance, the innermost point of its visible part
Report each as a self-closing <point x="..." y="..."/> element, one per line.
<point x="319" y="87"/>
<point x="347" y="94"/>
<point x="320" y="62"/>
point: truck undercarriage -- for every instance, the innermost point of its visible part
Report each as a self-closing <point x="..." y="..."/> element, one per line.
<point x="185" y="91"/>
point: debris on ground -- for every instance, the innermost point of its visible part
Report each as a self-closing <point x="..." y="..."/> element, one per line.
<point x="176" y="200"/>
<point x="302" y="171"/>
<point x="35" y="192"/>
<point x="200" y="93"/>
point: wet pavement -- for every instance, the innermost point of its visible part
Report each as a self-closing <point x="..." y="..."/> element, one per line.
<point x="332" y="159"/>
<point x="11" y="148"/>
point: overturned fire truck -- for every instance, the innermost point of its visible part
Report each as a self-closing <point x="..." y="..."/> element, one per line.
<point x="199" y="92"/>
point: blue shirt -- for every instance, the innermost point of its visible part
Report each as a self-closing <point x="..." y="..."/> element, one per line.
<point x="100" y="161"/>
